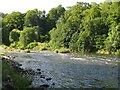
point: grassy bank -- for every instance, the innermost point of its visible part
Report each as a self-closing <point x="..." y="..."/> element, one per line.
<point x="12" y="79"/>
<point x="45" y="46"/>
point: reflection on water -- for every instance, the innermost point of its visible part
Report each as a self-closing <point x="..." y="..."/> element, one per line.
<point x="72" y="71"/>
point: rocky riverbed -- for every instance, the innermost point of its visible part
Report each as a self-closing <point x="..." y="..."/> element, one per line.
<point x="8" y="83"/>
<point x="56" y="70"/>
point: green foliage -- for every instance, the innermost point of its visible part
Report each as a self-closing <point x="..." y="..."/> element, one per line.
<point x="4" y="46"/>
<point x="19" y="81"/>
<point x="10" y="22"/>
<point x="64" y="50"/>
<point x="117" y="52"/>
<point x="55" y="42"/>
<point x="28" y="35"/>
<point x="36" y="18"/>
<point x="2" y="54"/>
<point x="84" y="42"/>
<point x="27" y="51"/>
<point x="32" y="18"/>
<point x="54" y="15"/>
<point x="32" y="45"/>
<point x="14" y="35"/>
<point x="83" y="27"/>
<point x="41" y="46"/>
<point x="112" y="42"/>
<point x="56" y="50"/>
<point x="73" y="45"/>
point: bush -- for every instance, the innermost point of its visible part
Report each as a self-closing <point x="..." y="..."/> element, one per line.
<point x="14" y="35"/>
<point x="117" y="52"/>
<point x="32" y="45"/>
<point x="102" y="51"/>
<point x="13" y="45"/>
<point x="28" y="35"/>
<point x="41" y="46"/>
<point x="4" y="46"/>
<point x="64" y="50"/>
<point x="56" y="51"/>
<point x="17" y="45"/>
<point x="2" y="54"/>
<point x="27" y="51"/>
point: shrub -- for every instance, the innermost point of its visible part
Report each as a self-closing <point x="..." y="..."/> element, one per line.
<point x="2" y="54"/>
<point x="41" y="46"/>
<point x="117" y="52"/>
<point x="17" y="45"/>
<point x="28" y="35"/>
<point x="14" y="35"/>
<point x="56" y="51"/>
<point x="64" y="50"/>
<point x="32" y="45"/>
<point x="4" y="46"/>
<point x="27" y="51"/>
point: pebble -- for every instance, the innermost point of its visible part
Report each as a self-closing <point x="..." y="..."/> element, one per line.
<point x="48" y="79"/>
<point x="42" y="76"/>
<point x="44" y="85"/>
<point x="39" y="69"/>
<point x="53" y="83"/>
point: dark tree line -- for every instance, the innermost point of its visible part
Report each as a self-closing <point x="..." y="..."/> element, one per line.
<point x="82" y="28"/>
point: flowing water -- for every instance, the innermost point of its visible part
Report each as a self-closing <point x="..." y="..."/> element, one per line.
<point x="71" y="71"/>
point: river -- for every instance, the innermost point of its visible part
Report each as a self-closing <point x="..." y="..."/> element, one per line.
<point x="70" y="70"/>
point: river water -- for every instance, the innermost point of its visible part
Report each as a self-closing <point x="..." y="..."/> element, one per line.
<point x="70" y="70"/>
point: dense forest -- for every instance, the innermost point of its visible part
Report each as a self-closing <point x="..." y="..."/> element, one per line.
<point x="83" y="27"/>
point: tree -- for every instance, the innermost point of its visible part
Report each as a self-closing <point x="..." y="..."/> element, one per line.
<point x="32" y="18"/>
<point x="84" y="42"/>
<point x="67" y="25"/>
<point x="36" y="18"/>
<point x="13" y="20"/>
<point x="10" y="22"/>
<point x="73" y="42"/>
<point x="54" y="15"/>
<point x="112" y="42"/>
<point x="28" y="35"/>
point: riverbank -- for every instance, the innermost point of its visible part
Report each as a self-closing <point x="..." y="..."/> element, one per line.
<point x="13" y="77"/>
<point x="46" y="47"/>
